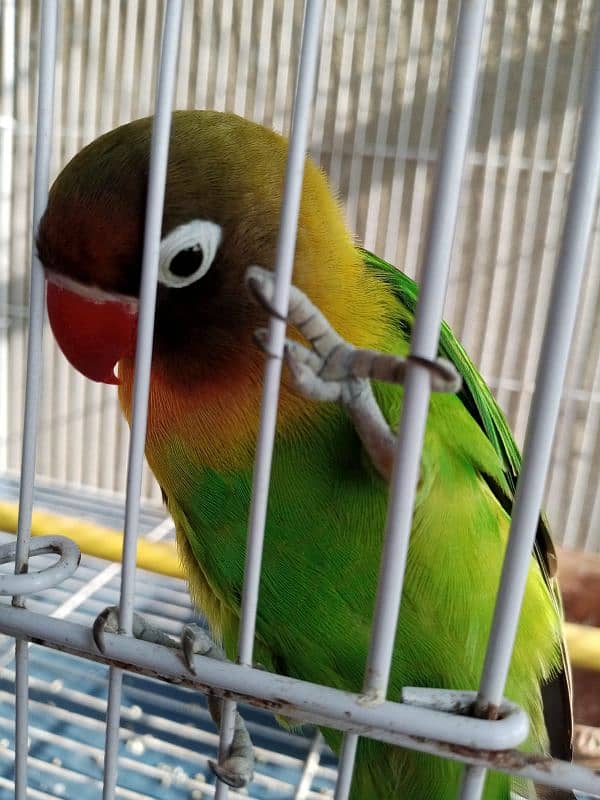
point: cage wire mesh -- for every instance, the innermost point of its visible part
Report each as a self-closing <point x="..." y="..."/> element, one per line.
<point x="376" y="130"/>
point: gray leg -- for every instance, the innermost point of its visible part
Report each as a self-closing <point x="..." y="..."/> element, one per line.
<point x="237" y="769"/>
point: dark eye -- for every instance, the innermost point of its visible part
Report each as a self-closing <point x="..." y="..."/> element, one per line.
<point x="186" y="262"/>
<point x="187" y="252"/>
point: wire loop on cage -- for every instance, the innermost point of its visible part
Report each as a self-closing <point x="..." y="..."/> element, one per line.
<point x="51" y="576"/>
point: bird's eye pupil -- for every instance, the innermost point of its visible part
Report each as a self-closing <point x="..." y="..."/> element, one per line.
<point x="187" y="261"/>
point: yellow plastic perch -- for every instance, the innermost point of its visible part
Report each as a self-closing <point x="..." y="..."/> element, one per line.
<point x="583" y="641"/>
<point x="96" y="540"/>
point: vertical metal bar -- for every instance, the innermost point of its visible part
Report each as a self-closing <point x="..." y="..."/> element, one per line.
<point x="419" y="195"/>
<point x="407" y="104"/>
<point x="323" y="78"/>
<point x="428" y="318"/>
<point x="159" y="153"/>
<point x="262" y="61"/>
<point x="242" y="75"/>
<point x="284" y="264"/>
<point x="204" y="67"/>
<point x="425" y="342"/>
<point x="48" y="30"/>
<point x="7" y="123"/>
<point x="342" y="101"/>
<point x="362" y="114"/>
<point x="509" y="217"/>
<point x="470" y="334"/>
<point x="552" y="366"/>
<point x="282" y="101"/>
<point x="346" y="766"/>
<point x="520" y="306"/>
<point x="394" y="26"/>
<point x="225" y="23"/>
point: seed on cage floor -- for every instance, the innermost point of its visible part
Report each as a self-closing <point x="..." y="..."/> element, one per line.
<point x="180" y="776"/>
<point x="136" y="746"/>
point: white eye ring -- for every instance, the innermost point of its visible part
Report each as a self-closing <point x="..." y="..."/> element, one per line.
<point x="199" y="235"/>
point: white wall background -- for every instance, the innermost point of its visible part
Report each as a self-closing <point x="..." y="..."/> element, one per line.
<point x="376" y="128"/>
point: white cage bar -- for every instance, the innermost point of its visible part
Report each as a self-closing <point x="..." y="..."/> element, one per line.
<point x="424" y="344"/>
<point x="560" y="324"/>
<point x="425" y="720"/>
<point x="284" y="264"/>
<point x="49" y="11"/>
<point x="159" y="153"/>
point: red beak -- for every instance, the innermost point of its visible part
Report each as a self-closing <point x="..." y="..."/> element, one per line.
<point x="93" y="329"/>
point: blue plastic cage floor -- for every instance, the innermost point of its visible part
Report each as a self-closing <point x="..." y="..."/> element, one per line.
<point x="167" y="736"/>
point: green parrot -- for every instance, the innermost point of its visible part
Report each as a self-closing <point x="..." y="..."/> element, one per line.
<point x="329" y="487"/>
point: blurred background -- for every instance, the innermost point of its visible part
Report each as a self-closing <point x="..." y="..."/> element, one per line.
<point x="375" y="130"/>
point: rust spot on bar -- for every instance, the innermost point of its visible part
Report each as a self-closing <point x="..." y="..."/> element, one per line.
<point x="489" y="711"/>
<point x="508" y="760"/>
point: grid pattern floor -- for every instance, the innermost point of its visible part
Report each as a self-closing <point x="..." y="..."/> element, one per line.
<point x="167" y="736"/>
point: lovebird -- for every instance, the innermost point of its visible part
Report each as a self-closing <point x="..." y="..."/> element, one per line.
<point x="331" y="462"/>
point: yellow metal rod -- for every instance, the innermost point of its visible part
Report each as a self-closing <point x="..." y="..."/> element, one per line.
<point x="583" y="641"/>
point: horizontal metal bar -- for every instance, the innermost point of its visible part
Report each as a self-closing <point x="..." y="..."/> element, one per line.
<point x="288" y="696"/>
<point x="395" y="723"/>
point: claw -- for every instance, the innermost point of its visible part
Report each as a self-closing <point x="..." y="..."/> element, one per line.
<point x="261" y="338"/>
<point x="196" y="641"/>
<point x="237" y="769"/>
<point x="233" y="771"/>
<point x="444" y="375"/>
<point x="261" y="284"/>
<point x="106" y="620"/>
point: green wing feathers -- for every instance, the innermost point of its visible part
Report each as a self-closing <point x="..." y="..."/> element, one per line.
<point x="479" y="401"/>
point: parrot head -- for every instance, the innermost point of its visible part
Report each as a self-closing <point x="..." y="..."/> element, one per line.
<point x="221" y="215"/>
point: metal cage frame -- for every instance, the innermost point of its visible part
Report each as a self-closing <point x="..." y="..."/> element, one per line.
<point x="430" y="720"/>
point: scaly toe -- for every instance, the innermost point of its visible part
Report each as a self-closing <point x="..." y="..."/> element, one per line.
<point x="196" y="641"/>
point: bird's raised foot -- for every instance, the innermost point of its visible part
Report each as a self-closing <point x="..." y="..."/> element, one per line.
<point x="332" y="370"/>
<point x="238" y="767"/>
<point x="332" y="360"/>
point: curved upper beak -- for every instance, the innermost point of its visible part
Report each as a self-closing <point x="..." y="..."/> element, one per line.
<point x="94" y="329"/>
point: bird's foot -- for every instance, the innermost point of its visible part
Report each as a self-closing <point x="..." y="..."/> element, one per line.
<point x="333" y="370"/>
<point x="238" y="767"/>
<point x="108" y="621"/>
<point x="331" y="359"/>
